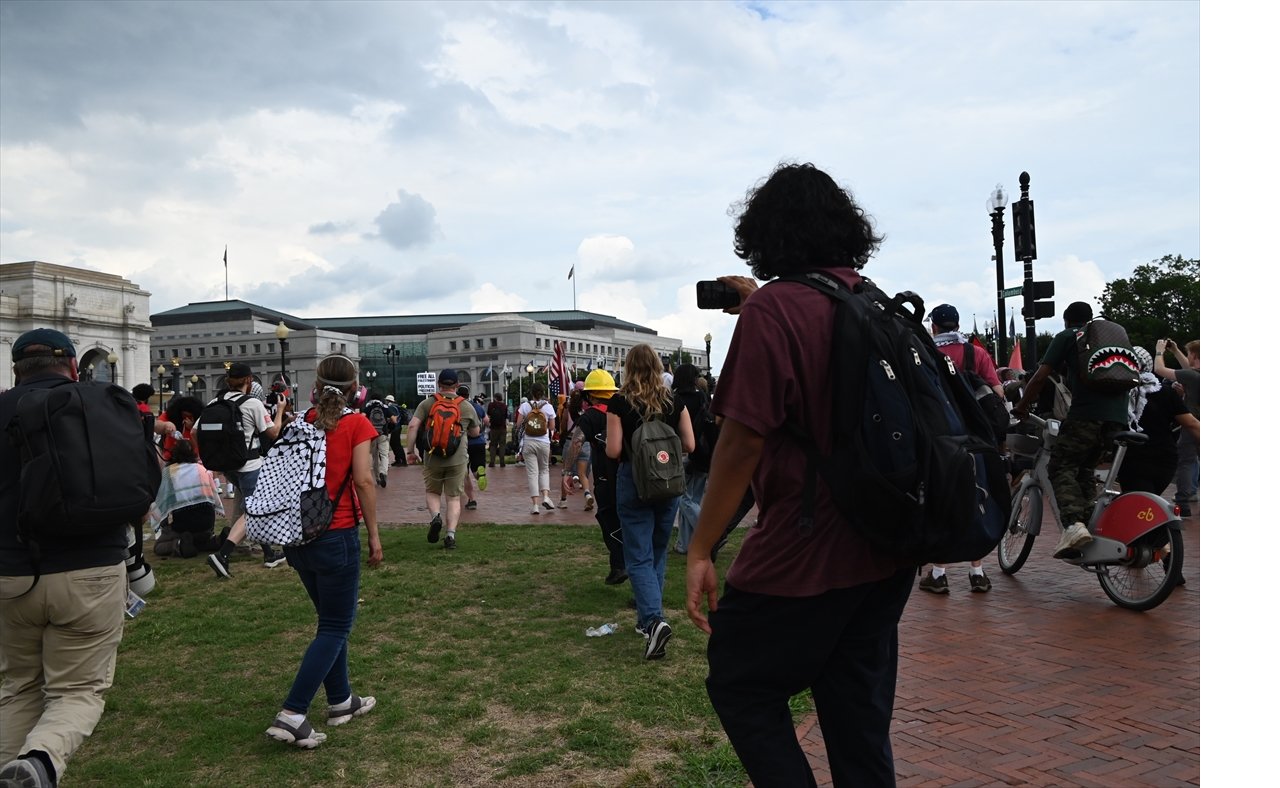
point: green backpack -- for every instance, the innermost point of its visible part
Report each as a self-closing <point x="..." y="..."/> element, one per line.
<point x="657" y="461"/>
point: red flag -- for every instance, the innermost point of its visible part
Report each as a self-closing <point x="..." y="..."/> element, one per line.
<point x="1015" y="358"/>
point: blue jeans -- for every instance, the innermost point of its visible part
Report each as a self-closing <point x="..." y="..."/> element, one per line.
<point x="646" y="531"/>
<point x="330" y="571"/>
<point x="695" y="484"/>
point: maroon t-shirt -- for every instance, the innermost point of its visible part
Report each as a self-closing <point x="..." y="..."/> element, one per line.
<point x="777" y="369"/>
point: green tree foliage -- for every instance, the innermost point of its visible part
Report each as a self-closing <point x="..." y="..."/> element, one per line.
<point x="1160" y="300"/>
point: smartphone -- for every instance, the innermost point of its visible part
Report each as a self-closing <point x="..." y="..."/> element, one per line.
<point x="713" y="294"/>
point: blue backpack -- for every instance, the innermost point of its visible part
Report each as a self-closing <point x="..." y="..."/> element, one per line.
<point x="914" y="469"/>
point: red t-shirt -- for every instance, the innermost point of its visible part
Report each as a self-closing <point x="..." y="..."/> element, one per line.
<point x="982" y="363"/>
<point x="352" y="434"/>
<point x="778" y="369"/>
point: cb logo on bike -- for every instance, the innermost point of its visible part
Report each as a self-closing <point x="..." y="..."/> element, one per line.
<point x="1149" y="515"/>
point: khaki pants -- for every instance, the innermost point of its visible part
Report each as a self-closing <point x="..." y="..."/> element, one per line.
<point x="58" y="656"/>
<point x="381" y="453"/>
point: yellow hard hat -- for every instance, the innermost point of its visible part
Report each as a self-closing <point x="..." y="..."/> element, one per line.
<point x="600" y="381"/>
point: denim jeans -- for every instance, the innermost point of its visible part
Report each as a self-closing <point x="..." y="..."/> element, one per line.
<point x="330" y="571"/>
<point x="646" y="531"/>
<point x="695" y="484"/>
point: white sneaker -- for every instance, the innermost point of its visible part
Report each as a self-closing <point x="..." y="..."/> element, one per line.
<point x="535" y="510"/>
<point x="547" y="504"/>
<point x="1073" y="538"/>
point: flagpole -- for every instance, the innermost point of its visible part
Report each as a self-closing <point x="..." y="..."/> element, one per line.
<point x="226" y="276"/>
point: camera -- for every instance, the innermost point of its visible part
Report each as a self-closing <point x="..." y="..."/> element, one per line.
<point x="714" y="294"/>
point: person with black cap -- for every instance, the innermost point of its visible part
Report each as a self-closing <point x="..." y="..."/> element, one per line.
<point x="444" y="473"/>
<point x="256" y="422"/>
<point x="945" y="326"/>
<point x="58" y="642"/>
<point x="1091" y="425"/>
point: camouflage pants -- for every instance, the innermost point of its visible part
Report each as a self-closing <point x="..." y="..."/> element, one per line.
<point x="1075" y="456"/>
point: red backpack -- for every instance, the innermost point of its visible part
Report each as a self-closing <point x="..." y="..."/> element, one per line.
<point x="443" y="433"/>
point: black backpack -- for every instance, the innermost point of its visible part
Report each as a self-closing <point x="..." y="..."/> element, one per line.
<point x="220" y="434"/>
<point x="377" y="416"/>
<point x="914" y="468"/>
<point x="87" y="464"/>
<point x="1105" y="360"/>
<point x="992" y="404"/>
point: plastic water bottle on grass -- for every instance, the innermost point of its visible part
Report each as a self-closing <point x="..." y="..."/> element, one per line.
<point x="602" y="630"/>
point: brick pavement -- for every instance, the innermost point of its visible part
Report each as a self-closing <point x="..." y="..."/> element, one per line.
<point x="1042" y="681"/>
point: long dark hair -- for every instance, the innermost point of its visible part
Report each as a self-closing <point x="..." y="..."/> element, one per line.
<point x="800" y="219"/>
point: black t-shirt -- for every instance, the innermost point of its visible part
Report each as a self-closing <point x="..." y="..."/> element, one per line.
<point x="1158" y="421"/>
<point x="631" y="419"/>
<point x="604" y="470"/>
<point x="497" y="413"/>
<point x="694" y="401"/>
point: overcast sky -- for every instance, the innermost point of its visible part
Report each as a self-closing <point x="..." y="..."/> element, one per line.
<point x="371" y="158"/>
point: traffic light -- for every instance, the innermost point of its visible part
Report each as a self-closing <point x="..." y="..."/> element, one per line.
<point x="1033" y="307"/>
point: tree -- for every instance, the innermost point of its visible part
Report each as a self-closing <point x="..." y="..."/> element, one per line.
<point x="1161" y="300"/>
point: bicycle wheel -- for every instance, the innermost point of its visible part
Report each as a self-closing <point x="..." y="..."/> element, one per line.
<point x="1015" y="545"/>
<point x="1148" y="574"/>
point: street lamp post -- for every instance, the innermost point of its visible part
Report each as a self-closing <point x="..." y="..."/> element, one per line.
<point x="370" y="376"/>
<point x="707" y="339"/>
<point x="112" y="358"/>
<point x="393" y="355"/>
<point x="282" y="334"/>
<point x="995" y="208"/>
<point x="506" y="391"/>
<point x="176" y="385"/>
<point x="160" y="370"/>
<point x="530" y="368"/>
<point x="192" y="383"/>
<point x="1024" y="249"/>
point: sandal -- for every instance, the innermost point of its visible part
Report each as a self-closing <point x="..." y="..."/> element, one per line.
<point x="340" y="715"/>
<point x="302" y="734"/>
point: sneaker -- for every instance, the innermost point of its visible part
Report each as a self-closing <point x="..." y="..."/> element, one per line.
<point x="187" y="545"/>
<point x="564" y="504"/>
<point x="1184" y="509"/>
<point x="934" y="585"/>
<point x="382" y="480"/>
<point x="979" y="584"/>
<point x="25" y="773"/>
<point x="616" y="577"/>
<point x="450" y="543"/>
<point x="301" y="735"/>
<point x="546" y="504"/>
<point x="1072" y="540"/>
<point x="433" y="535"/>
<point x="357" y="707"/>
<point x="590" y="504"/>
<point x="270" y="558"/>
<point x="471" y="505"/>
<point x="655" y="646"/>
<point x="535" y="510"/>
<point x="221" y="566"/>
<point x="482" y="479"/>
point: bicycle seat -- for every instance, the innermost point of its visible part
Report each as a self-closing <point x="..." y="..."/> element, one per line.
<point x="1128" y="438"/>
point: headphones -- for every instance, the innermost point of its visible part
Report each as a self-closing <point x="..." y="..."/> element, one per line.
<point x="355" y="399"/>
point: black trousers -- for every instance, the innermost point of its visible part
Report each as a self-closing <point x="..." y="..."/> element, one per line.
<point x="396" y="449"/>
<point x="610" y="532"/>
<point x="843" y="645"/>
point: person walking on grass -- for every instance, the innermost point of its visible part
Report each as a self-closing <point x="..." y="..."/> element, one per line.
<point x="443" y="470"/>
<point x="646" y="525"/>
<point x="587" y="451"/>
<point x="329" y="567"/>
<point x="536" y="420"/>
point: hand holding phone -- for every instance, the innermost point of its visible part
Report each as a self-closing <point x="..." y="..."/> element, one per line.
<point x="714" y="294"/>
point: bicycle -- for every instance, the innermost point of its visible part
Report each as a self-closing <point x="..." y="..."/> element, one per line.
<point x="1136" y="551"/>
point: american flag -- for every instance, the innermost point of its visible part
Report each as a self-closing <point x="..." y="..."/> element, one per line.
<point x="557" y="374"/>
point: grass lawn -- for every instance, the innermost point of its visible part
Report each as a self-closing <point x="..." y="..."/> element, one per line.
<point x="477" y="657"/>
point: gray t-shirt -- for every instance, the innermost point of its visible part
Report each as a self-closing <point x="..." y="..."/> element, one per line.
<point x="1190" y="380"/>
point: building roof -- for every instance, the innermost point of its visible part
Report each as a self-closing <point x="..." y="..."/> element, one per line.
<point x="379" y="325"/>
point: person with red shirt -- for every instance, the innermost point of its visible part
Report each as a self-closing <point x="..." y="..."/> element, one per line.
<point x="811" y="606"/>
<point x="329" y="567"/>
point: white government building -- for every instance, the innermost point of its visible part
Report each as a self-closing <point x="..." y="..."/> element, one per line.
<point x="189" y="348"/>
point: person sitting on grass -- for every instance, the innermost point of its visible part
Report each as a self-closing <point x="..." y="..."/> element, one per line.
<point x="188" y="498"/>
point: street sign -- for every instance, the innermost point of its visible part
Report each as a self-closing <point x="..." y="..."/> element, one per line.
<point x="1010" y="292"/>
<point x="426" y="383"/>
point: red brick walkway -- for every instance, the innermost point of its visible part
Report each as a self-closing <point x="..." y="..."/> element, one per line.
<point x="1041" y="682"/>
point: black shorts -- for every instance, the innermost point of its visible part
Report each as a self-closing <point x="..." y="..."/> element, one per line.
<point x="475" y="456"/>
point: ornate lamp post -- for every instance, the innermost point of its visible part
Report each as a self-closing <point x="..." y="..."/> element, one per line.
<point x="282" y="334"/>
<point x="995" y="208"/>
<point x="176" y="385"/>
<point x="506" y="392"/>
<point x="160" y="370"/>
<point x="707" y="339"/>
<point x="393" y="356"/>
<point x="112" y="358"/>
<point x="530" y="368"/>
<point x="370" y="376"/>
<point x="192" y="383"/>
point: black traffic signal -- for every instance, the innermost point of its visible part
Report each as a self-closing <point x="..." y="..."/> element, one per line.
<point x="1032" y="305"/>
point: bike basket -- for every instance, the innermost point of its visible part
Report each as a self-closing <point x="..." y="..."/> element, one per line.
<point x="1024" y="445"/>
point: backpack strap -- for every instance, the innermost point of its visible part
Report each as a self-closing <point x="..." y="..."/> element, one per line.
<point x="967" y="363"/>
